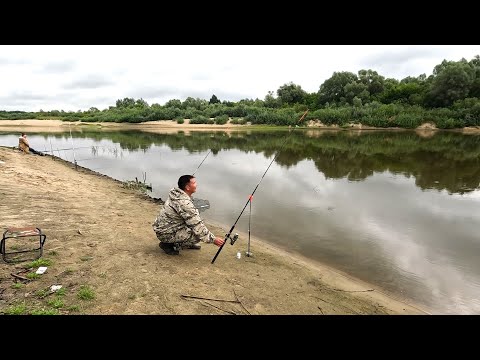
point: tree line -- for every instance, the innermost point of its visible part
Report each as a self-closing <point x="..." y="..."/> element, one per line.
<point x="449" y="98"/>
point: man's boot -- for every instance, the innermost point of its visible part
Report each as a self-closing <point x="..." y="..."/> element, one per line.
<point x="193" y="246"/>
<point x="169" y="248"/>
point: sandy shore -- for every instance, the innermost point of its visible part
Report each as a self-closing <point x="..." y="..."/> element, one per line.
<point x="170" y="126"/>
<point x="164" y="126"/>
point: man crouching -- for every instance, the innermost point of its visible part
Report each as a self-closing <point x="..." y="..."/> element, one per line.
<point x="178" y="225"/>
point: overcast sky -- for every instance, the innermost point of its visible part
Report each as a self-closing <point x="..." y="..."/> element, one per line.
<point x="77" y="77"/>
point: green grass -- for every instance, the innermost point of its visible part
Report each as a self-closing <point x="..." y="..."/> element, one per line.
<point x="132" y="184"/>
<point x="55" y="303"/>
<point x="44" y="312"/>
<point x="19" y="309"/>
<point x="41" y="293"/>
<point x="32" y="276"/>
<point x="85" y="293"/>
<point x="17" y="285"/>
<point x="74" y="308"/>
<point x="39" y="262"/>
<point x="61" y="292"/>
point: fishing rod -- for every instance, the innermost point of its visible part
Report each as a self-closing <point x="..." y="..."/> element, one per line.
<point x="200" y="205"/>
<point x="201" y="162"/>
<point x="248" y="253"/>
<point x="232" y="240"/>
<point x="69" y="149"/>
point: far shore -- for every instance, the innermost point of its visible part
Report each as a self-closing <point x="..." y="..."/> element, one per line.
<point x="171" y="126"/>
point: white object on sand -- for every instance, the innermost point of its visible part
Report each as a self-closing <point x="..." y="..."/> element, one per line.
<point x="41" y="270"/>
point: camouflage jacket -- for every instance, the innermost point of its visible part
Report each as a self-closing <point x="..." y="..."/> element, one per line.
<point x="177" y="213"/>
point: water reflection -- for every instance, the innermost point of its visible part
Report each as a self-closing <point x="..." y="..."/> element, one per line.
<point x="446" y="161"/>
<point x="392" y="208"/>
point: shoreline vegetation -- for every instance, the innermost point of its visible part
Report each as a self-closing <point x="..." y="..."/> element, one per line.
<point x="94" y="244"/>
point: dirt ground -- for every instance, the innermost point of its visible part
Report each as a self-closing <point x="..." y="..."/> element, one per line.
<point x="101" y="248"/>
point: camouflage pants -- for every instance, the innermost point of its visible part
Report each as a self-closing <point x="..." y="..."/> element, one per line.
<point x="183" y="236"/>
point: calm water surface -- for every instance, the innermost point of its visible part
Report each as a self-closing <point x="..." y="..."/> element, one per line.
<point x="394" y="209"/>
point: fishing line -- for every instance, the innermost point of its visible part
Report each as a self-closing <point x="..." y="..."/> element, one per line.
<point x="201" y="162"/>
<point x="232" y="240"/>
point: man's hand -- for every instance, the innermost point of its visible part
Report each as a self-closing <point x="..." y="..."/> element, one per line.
<point x="218" y="241"/>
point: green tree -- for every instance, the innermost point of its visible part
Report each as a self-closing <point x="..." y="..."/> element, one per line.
<point x="228" y="103"/>
<point x="198" y="104"/>
<point x="214" y="100"/>
<point x="403" y="92"/>
<point x="356" y="90"/>
<point x="140" y="103"/>
<point x="373" y="81"/>
<point x="451" y="81"/>
<point x="174" y="103"/>
<point x="475" y="87"/>
<point x="311" y="100"/>
<point x="125" y="103"/>
<point x="291" y="94"/>
<point x="332" y="90"/>
<point x="270" y="101"/>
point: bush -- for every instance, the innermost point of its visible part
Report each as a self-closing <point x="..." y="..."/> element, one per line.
<point x="200" y="119"/>
<point x="221" y="120"/>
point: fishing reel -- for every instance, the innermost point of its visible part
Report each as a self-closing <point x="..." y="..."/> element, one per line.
<point x="232" y="240"/>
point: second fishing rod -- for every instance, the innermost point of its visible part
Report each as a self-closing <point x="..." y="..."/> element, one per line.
<point x="227" y="236"/>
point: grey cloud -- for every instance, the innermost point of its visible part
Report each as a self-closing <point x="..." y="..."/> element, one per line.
<point x="201" y="77"/>
<point x="6" y="61"/>
<point x="148" y="92"/>
<point x="26" y="100"/>
<point x="24" y="96"/>
<point x="402" y="63"/>
<point x="90" y="82"/>
<point x="58" y="67"/>
<point x="93" y="101"/>
<point x="390" y="57"/>
<point x="22" y="101"/>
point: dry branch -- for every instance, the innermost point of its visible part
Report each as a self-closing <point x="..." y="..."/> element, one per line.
<point x="203" y="298"/>
<point x="19" y="277"/>
<point x="353" y="290"/>
<point x="244" y="308"/>
<point x="216" y="307"/>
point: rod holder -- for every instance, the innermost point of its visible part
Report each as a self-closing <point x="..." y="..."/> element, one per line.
<point x="235" y="238"/>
